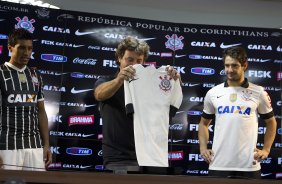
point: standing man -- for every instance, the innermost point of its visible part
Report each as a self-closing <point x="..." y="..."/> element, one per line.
<point x="24" y="139"/>
<point x="118" y="135"/>
<point x="235" y="105"/>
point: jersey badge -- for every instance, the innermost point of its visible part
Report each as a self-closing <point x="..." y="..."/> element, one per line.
<point x="174" y="42"/>
<point x="34" y="80"/>
<point x="233" y="97"/>
<point x="246" y="95"/>
<point x="165" y="84"/>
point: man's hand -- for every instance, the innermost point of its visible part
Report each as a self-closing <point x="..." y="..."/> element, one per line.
<point x="260" y="154"/>
<point x="207" y="155"/>
<point x="47" y="156"/>
<point x="172" y="73"/>
<point x="126" y="73"/>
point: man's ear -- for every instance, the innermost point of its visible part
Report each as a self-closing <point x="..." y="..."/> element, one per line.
<point x="10" y="48"/>
<point x="245" y="66"/>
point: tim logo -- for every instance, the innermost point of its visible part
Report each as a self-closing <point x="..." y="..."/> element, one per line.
<point x="54" y="58"/>
<point x="79" y="151"/>
<point x="202" y="71"/>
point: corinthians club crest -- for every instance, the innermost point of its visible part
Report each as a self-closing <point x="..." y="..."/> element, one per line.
<point x="174" y="42"/>
<point x="165" y="84"/>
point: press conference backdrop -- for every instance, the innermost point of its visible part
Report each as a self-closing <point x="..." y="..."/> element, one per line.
<point x="73" y="49"/>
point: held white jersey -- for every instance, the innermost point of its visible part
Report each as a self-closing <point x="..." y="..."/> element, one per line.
<point x="236" y="125"/>
<point x="152" y="96"/>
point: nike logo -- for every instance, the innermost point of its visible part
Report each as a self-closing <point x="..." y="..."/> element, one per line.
<point x="132" y="80"/>
<point x="89" y="105"/>
<point x="87" y="135"/>
<point x="179" y="56"/>
<point x="57" y="73"/>
<point x="178" y="112"/>
<point x="7" y="79"/>
<point x="227" y="46"/>
<point x="74" y="91"/>
<point x="262" y="174"/>
<point x="76" y="46"/>
<point x="2" y="19"/>
<point x="175" y="141"/>
<point x="78" y="33"/>
<point x="219" y="96"/>
<point x="191" y="85"/>
<point x="146" y="39"/>
<point x="84" y="167"/>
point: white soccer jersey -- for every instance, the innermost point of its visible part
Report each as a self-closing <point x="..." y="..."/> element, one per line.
<point x="152" y="96"/>
<point x="236" y="125"/>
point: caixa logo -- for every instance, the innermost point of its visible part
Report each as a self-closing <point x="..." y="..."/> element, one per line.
<point x="202" y="71"/>
<point x="54" y="58"/>
<point x="79" y="151"/>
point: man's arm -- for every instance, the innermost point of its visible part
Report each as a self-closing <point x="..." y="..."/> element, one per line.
<point x="269" y="137"/>
<point x="203" y="135"/>
<point x="43" y="128"/>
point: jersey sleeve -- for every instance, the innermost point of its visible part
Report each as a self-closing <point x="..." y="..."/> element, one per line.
<point x="208" y="111"/>
<point x="40" y="95"/>
<point x="265" y="108"/>
<point x="128" y="100"/>
<point x="176" y="98"/>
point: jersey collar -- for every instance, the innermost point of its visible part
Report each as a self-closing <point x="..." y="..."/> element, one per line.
<point x="14" y="67"/>
<point x="245" y="84"/>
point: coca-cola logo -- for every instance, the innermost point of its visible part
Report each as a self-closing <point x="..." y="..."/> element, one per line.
<point x="176" y="126"/>
<point x="88" y="61"/>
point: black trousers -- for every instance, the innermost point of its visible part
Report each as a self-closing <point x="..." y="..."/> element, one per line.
<point x="236" y="174"/>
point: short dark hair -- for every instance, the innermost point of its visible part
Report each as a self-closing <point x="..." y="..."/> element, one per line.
<point x="132" y="44"/>
<point x="18" y="34"/>
<point x="238" y="53"/>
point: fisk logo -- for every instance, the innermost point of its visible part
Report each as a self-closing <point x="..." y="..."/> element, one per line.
<point x="54" y="58"/>
<point x="79" y="151"/>
<point x="202" y="71"/>
<point x="195" y="157"/>
<point x="81" y="120"/>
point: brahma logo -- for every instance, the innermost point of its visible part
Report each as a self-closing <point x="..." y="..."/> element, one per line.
<point x="176" y="155"/>
<point x="79" y="151"/>
<point x="81" y="120"/>
<point x="55" y="165"/>
<point x="202" y="71"/>
<point x="54" y="58"/>
<point x="279" y="76"/>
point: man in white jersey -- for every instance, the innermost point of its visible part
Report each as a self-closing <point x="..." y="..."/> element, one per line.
<point x="24" y="139"/>
<point x="118" y="137"/>
<point x="235" y="104"/>
<point x="153" y="97"/>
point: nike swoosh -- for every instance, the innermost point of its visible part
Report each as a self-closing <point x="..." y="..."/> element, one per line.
<point x="7" y="79"/>
<point x="146" y="39"/>
<point x="89" y="105"/>
<point x="264" y="60"/>
<point x="60" y="73"/>
<point x="78" y="33"/>
<point x="87" y="135"/>
<point x="84" y="167"/>
<point x="262" y="174"/>
<point x="191" y="85"/>
<point x="178" y="112"/>
<point x="74" y="91"/>
<point x="227" y="46"/>
<point x="2" y="19"/>
<point x="219" y="96"/>
<point x="132" y="80"/>
<point x="175" y="141"/>
<point x="75" y="46"/>
<point x="179" y="56"/>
